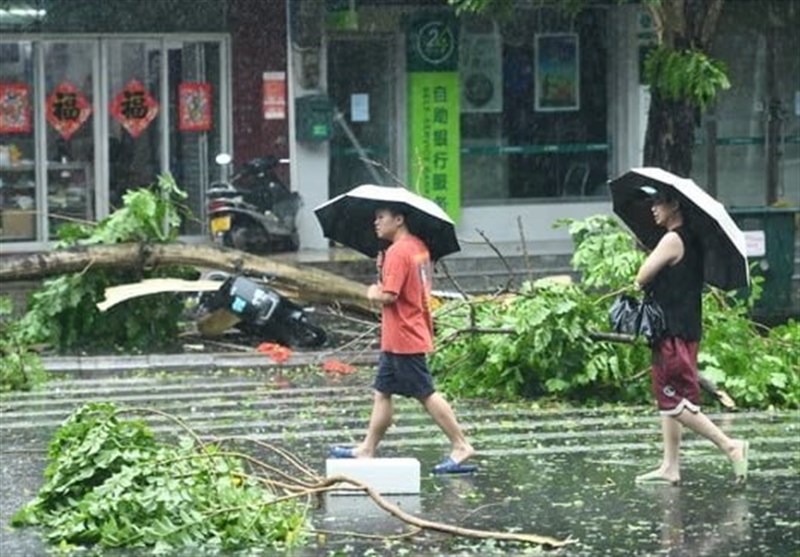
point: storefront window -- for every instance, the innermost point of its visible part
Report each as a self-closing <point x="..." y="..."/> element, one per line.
<point x="195" y="123"/>
<point x="109" y="122"/>
<point x="531" y="114"/>
<point x="534" y="113"/>
<point x="18" y="197"/>
<point x="134" y="117"/>
<point x="69" y="110"/>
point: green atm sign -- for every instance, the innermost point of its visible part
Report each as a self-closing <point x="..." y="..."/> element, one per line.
<point x="434" y="112"/>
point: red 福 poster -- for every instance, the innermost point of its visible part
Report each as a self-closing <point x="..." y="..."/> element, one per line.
<point x="67" y="109"/>
<point x="194" y="107"/>
<point x="274" y="101"/>
<point x="15" y="108"/>
<point x="134" y="108"/>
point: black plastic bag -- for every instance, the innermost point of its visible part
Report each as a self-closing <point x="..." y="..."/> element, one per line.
<point x="632" y="317"/>
<point x="624" y="315"/>
<point x="651" y="320"/>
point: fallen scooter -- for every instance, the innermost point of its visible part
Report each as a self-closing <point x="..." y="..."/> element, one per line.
<point x="261" y="312"/>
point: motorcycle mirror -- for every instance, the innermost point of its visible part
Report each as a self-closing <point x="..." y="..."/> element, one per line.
<point x="223" y="159"/>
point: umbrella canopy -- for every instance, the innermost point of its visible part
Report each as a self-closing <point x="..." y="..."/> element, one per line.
<point x="350" y="219"/>
<point x="724" y="250"/>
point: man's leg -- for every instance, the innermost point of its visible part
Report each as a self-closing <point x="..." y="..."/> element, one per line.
<point x="445" y="418"/>
<point x="700" y="424"/>
<point x="379" y="422"/>
<point x="671" y="433"/>
<point x="669" y="471"/>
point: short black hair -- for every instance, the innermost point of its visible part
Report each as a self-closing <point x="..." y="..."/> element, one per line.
<point x="394" y="208"/>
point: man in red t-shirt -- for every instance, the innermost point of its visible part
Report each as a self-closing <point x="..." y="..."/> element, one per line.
<point x="406" y="337"/>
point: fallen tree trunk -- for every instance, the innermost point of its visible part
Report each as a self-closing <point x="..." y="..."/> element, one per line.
<point x="306" y="283"/>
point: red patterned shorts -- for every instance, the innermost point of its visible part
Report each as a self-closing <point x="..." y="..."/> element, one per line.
<point x="674" y="374"/>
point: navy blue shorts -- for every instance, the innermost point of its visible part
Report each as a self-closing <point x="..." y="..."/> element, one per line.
<point x="404" y="374"/>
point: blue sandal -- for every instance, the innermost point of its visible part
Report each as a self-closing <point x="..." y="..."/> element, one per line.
<point x="450" y="466"/>
<point x="342" y="452"/>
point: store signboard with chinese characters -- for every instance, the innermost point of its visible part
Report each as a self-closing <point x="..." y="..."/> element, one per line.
<point x="194" y="107"/>
<point x="15" y="108"/>
<point x="134" y="108"/>
<point x="433" y="96"/>
<point x="67" y="109"/>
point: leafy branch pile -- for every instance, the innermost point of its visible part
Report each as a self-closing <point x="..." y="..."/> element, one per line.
<point x="110" y="483"/>
<point x="63" y="314"/>
<point x="536" y="342"/>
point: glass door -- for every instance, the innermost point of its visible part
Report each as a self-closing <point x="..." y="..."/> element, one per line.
<point x="70" y="112"/>
<point x="134" y="116"/>
<point x="361" y="86"/>
<point x="195" y="122"/>
<point x="18" y="198"/>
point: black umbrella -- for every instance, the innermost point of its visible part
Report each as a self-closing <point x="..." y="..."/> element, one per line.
<point x="350" y="219"/>
<point x="724" y="249"/>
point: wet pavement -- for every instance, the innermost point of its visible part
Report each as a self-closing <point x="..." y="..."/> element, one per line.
<point x="555" y="472"/>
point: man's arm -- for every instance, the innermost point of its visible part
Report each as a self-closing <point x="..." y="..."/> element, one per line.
<point x="668" y="252"/>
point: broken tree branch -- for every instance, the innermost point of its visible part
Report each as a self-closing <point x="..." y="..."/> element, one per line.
<point x="313" y="285"/>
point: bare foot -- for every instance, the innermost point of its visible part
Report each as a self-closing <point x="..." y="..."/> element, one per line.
<point x="462" y="453"/>
<point x="736" y="451"/>
<point x="659" y="476"/>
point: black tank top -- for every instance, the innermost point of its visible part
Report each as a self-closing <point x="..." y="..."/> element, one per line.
<point x="678" y="289"/>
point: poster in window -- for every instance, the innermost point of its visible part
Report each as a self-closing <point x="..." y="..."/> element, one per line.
<point x="274" y="95"/>
<point x="557" y="73"/>
<point x="67" y="109"/>
<point x="15" y="108"/>
<point x="194" y="107"/>
<point x="480" y="63"/>
<point x="134" y="108"/>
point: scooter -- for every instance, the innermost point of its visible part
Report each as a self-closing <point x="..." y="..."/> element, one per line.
<point x="253" y="211"/>
<point x="260" y="311"/>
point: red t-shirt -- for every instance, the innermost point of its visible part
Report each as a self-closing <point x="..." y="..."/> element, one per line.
<point x="407" y="325"/>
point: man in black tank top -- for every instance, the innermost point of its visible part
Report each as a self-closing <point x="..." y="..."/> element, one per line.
<point x="673" y="274"/>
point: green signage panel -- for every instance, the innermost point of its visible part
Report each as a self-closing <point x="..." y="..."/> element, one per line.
<point x="434" y="113"/>
<point x="435" y="138"/>
<point x="432" y="43"/>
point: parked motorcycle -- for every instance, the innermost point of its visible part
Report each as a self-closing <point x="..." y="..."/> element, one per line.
<point x="253" y="211"/>
<point x="263" y="313"/>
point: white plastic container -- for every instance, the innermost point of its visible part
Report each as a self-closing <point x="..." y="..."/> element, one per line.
<point x="385" y="475"/>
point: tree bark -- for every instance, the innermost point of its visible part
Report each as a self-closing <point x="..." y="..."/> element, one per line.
<point x="306" y="283"/>
<point x="680" y="25"/>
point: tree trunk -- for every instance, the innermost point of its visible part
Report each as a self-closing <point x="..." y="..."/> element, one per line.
<point x="670" y="135"/>
<point x="306" y="283"/>
<point x="680" y="25"/>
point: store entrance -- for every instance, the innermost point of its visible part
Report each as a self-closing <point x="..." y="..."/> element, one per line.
<point x="361" y="85"/>
<point x="96" y="118"/>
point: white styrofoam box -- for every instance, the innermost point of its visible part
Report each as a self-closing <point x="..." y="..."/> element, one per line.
<point x="385" y="475"/>
<point x="362" y="507"/>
